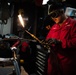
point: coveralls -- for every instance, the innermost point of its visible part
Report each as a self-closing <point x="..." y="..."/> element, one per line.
<point x="66" y="52"/>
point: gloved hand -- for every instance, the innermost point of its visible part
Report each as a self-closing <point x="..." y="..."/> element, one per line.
<point x="53" y="42"/>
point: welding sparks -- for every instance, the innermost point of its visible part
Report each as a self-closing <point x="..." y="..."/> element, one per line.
<point x="21" y="20"/>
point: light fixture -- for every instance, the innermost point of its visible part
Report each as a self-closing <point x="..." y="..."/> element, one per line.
<point x="44" y="2"/>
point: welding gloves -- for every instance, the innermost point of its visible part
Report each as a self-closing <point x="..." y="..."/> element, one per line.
<point x="51" y="42"/>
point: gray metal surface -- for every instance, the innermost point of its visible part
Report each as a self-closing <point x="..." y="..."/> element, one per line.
<point x="6" y="70"/>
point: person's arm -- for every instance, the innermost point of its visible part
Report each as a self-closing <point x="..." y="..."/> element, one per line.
<point x="71" y="41"/>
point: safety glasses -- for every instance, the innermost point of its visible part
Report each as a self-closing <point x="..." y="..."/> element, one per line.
<point x="55" y="14"/>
